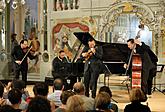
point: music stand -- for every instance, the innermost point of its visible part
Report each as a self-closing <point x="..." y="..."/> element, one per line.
<point x="160" y="68"/>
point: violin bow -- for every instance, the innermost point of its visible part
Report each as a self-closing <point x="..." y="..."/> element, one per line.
<point x="26" y="54"/>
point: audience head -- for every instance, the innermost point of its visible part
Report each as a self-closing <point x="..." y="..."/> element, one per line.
<point x="58" y="84"/>
<point x="79" y="88"/>
<point x="65" y="95"/>
<point x="7" y="108"/>
<point x="1" y="89"/>
<point x="75" y="104"/>
<point x="40" y="89"/>
<point x="18" y="84"/>
<point x="105" y="89"/>
<point x="39" y="104"/>
<point x="102" y="101"/>
<point x="137" y="95"/>
<point x="14" y="96"/>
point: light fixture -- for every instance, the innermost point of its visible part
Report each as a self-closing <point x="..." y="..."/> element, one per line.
<point x="14" y="4"/>
<point x="8" y="1"/>
<point x="23" y="2"/>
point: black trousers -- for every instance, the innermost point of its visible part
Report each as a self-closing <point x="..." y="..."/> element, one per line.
<point x="150" y="80"/>
<point x="147" y="78"/>
<point x="90" y="81"/>
<point x="21" y="69"/>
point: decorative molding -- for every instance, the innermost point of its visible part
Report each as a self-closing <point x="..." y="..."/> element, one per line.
<point x="143" y="12"/>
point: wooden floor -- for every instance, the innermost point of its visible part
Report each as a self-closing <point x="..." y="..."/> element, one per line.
<point x="156" y="102"/>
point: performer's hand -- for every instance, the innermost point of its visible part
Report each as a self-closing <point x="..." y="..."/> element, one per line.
<point x="125" y="66"/>
<point x="18" y="62"/>
<point x="8" y="86"/>
<point x="84" y="54"/>
<point x="93" y="50"/>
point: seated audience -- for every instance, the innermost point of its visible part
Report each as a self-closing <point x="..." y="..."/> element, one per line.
<point x="112" y="106"/>
<point x="136" y="97"/>
<point x="7" y="108"/>
<point x="41" y="89"/>
<point x="20" y="84"/>
<point x="75" y="104"/>
<point x="14" y="97"/>
<point x="2" y="100"/>
<point x="102" y="102"/>
<point x="39" y="104"/>
<point x="58" y="88"/>
<point x="64" y="97"/>
<point x="79" y="89"/>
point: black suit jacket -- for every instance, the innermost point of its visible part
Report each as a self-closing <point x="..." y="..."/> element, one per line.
<point x="149" y="59"/>
<point x="18" y="54"/>
<point x="95" y="60"/>
<point x="60" y="67"/>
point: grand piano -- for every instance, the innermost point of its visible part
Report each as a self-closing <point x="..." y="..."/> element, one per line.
<point x="114" y="54"/>
<point x="114" y="57"/>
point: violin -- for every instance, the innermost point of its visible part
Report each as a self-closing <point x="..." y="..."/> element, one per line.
<point x="89" y="53"/>
<point x="26" y="49"/>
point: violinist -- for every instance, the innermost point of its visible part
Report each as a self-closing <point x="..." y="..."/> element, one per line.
<point x="19" y="56"/>
<point x="93" y="55"/>
<point x="149" y="63"/>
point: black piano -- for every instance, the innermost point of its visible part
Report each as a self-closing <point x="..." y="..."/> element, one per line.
<point x="114" y="57"/>
<point x="114" y="54"/>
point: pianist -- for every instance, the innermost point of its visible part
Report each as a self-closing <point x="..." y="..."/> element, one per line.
<point x="93" y="55"/>
<point x="61" y="69"/>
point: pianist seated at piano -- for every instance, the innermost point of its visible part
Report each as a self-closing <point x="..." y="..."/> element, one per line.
<point x="61" y="69"/>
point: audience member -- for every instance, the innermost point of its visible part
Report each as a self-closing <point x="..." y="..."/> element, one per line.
<point x="7" y="108"/>
<point x="14" y="97"/>
<point x="112" y="106"/>
<point x="136" y="97"/>
<point x="41" y="89"/>
<point x="20" y="85"/>
<point x="79" y="89"/>
<point x="58" y="88"/>
<point x="2" y="100"/>
<point x="64" y="97"/>
<point x="75" y="104"/>
<point x="102" y="102"/>
<point x="39" y="104"/>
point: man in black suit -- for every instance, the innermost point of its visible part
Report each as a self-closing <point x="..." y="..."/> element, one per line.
<point x="62" y="70"/>
<point x="93" y="55"/>
<point x="20" y="60"/>
<point x="149" y="63"/>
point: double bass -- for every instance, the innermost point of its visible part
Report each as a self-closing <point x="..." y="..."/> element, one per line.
<point x="136" y="68"/>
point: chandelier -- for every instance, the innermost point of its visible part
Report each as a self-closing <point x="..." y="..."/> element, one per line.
<point x="14" y="4"/>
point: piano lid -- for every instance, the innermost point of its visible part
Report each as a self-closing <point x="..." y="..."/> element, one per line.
<point x="83" y="37"/>
<point x="112" y="52"/>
